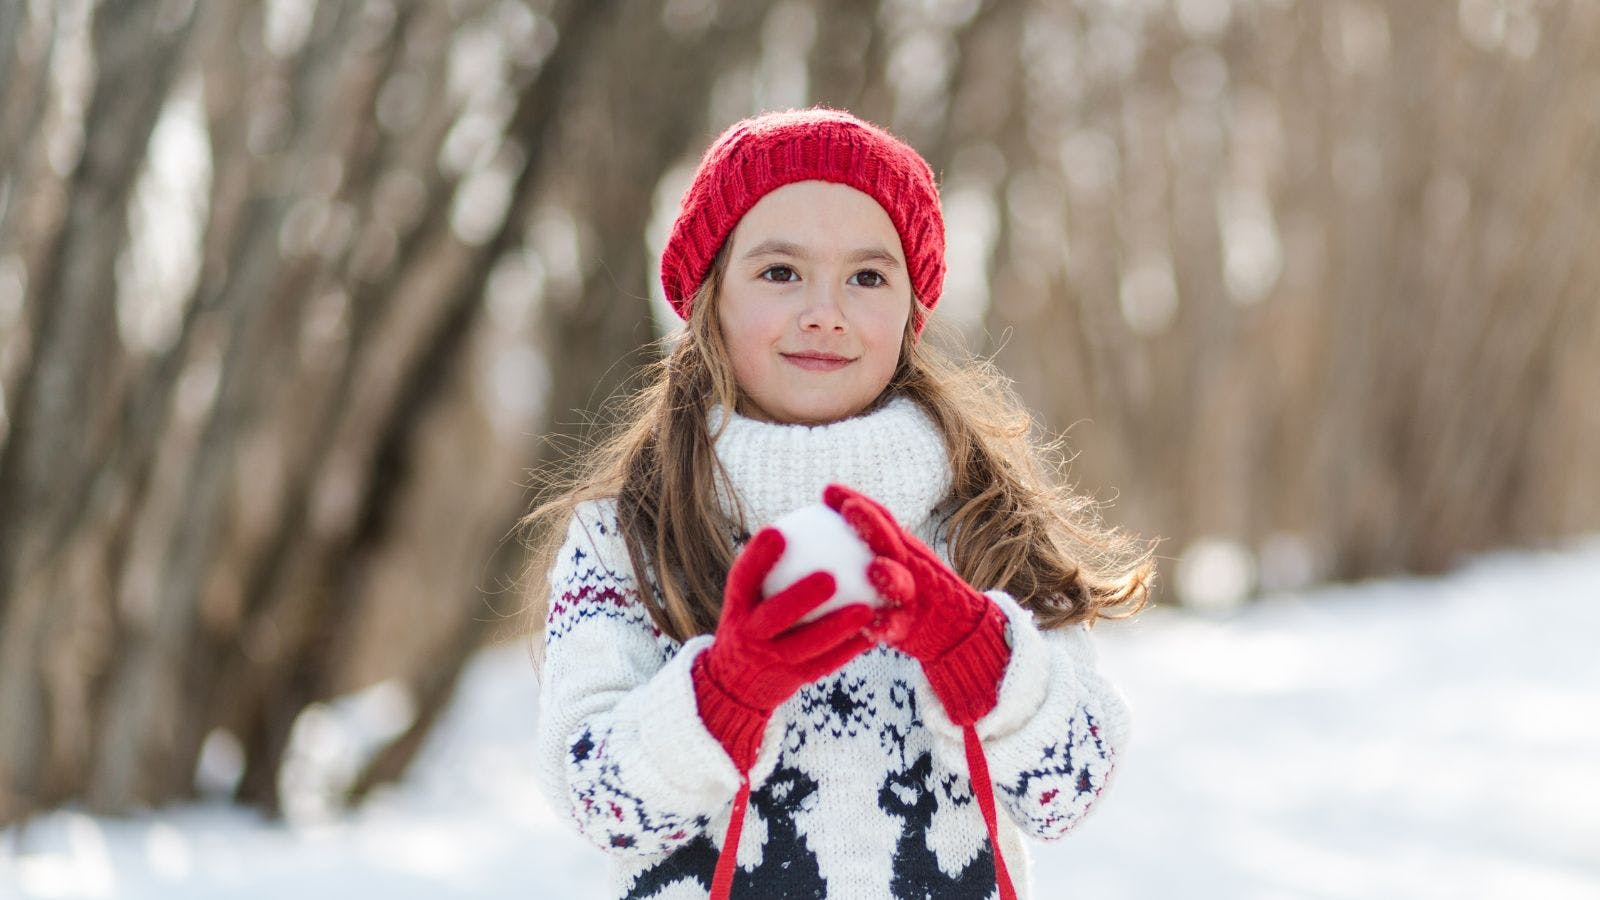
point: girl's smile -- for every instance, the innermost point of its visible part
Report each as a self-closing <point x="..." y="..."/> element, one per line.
<point x="814" y="361"/>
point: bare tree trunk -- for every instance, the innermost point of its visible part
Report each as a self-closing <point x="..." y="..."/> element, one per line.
<point x="62" y="428"/>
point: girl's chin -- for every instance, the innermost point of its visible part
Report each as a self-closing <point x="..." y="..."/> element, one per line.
<point x="821" y="412"/>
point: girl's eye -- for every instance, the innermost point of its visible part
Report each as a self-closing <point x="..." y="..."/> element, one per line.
<point x="785" y="274"/>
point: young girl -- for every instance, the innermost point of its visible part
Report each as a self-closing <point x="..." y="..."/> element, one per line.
<point x="702" y="734"/>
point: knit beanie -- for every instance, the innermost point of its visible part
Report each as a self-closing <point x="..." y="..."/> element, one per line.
<point x="764" y="152"/>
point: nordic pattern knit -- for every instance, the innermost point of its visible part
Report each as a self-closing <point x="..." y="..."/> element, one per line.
<point x="861" y="786"/>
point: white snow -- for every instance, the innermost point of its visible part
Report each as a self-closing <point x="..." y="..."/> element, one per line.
<point x="1411" y="738"/>
<point x="817" y="539"/>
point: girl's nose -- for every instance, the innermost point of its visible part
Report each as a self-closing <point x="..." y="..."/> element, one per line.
<point x="823" y="311"/>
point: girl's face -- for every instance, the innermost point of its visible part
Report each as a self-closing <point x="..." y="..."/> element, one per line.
<point x="814" y="303"/>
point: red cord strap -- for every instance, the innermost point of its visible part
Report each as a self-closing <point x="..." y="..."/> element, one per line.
<point x="722" y="882"/>
<point x="983" y="789"/>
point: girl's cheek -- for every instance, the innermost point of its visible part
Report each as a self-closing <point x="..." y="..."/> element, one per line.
<point x="891" y="324"/>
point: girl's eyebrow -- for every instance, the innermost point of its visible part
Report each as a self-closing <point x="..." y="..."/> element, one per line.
<point x="780" y="247"/>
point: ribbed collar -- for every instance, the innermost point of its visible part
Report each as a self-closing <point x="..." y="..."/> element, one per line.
<point x="893" y="454"/>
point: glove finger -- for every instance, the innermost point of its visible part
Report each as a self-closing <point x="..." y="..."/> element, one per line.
<point x="806" y="642"/>
<point x="870" y="519"/>
<point x="882" y="512"/>
<point x="891" y="625"/>
<point x="831" y="660"/>
<point x="784" y="608"/>
<point x="876" y="529"/>
<point x="891" y="580"/>
<point x="834" y="496"/>
<point x="749" y="569"/>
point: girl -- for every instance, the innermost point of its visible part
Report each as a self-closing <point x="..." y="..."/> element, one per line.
<point x="699" y="732"/>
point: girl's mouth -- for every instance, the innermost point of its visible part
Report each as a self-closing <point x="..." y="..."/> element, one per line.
<point x="818" y="362"/>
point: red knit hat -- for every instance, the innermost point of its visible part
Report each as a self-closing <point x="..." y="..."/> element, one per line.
<point x="759" y="154"/>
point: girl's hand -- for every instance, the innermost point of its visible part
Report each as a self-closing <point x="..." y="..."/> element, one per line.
<point x="956" y="633"/>
<point x="757" y="659"/>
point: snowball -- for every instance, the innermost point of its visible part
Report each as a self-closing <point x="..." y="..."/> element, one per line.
<point x="817" y="539"/>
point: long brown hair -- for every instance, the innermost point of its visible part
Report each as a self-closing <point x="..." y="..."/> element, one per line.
<point x="1015" y="524"/>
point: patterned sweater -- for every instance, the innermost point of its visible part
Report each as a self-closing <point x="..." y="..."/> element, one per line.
<point x="861" y="787"/>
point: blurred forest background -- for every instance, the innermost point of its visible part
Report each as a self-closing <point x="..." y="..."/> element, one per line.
<point x="294" y="296"/>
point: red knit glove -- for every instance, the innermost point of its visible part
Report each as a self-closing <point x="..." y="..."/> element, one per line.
<point x="756" y="660"/>
<point x="956" y="633"/>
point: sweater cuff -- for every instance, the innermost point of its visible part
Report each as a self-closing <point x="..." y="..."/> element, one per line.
<point x="672" y="738"/>
<point x="1076" y="697"/>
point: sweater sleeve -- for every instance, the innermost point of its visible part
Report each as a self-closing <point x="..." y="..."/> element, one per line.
<point x="620" y="744"/>
<point x="1053" y="738"/>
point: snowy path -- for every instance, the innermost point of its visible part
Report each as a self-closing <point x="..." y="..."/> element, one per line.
<point x="1398" y="739"/>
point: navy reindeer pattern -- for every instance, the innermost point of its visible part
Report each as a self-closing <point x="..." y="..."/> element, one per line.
<point x="915" y="797"/>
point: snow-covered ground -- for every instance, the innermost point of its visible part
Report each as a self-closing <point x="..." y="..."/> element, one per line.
<point x="1413" y="738"/>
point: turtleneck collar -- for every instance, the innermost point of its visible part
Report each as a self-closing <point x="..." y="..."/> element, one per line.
<point x="894" y="454"/>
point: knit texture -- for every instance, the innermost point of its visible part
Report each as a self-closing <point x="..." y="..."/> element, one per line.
<point x="760" y="154"/>
<point x="737" y="726"/>
<point x="966" y="676"/>
<point x="895" y="453"/>
<point x="860" y="788"/>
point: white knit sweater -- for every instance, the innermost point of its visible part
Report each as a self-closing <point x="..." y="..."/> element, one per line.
<point x="861" y="787"/>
